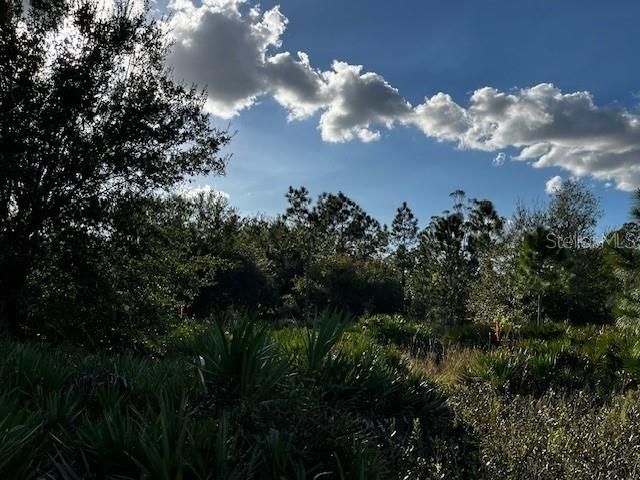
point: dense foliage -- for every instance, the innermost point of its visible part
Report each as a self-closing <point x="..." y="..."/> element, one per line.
<point x="247" y="402"/>
<point x="152" y="332"/>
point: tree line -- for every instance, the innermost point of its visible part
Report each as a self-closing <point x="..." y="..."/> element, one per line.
<point x="96" y="246"/>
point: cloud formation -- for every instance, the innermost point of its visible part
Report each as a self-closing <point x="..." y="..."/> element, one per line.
<point x="553" y="185"/>
<point x="233" y="49"/>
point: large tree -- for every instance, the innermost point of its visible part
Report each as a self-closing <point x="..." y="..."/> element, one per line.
<point x="89" y="114"/>
<point x="332" y="226"/>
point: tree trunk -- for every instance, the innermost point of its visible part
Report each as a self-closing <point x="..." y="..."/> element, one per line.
<point x="539" y="322"/>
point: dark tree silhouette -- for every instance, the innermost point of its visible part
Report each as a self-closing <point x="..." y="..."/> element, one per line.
<point x="89" y="114"/>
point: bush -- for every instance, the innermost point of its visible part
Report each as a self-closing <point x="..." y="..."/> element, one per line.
<point x="350" y="285"/>
<point x="414" y="338"/>
<point x="554" y="436"/>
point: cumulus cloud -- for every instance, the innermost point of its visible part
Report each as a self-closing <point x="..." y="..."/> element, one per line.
<point x="440" y="117"/>
<point x="219" y="46"/>
<point x="358" y="101"/>
<point x="551" y="128"/>
<point x="233" y="52"/>
<point x="296" y="85"/>
<point x="553" y="185"/>
<point x="234" y="49"/>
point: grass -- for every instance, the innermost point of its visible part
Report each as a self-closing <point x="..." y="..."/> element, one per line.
<point x="446" y="368"/>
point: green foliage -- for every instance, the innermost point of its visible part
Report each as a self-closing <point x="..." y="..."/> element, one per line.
<point x="243" y="364"/>
<point x="415" y="338"/>
<point x="355" y="286"/>
<point x="554" y="436"/>
<point x="238" y="402"/>
<point x="341" y="398"/>
<point x="541" y="266"/>
<point x="91" y="117"/>
<point x="599" y="360"/>
<point x="448" y="258"/>
<point x="164" y="443"/>
<point x="322" y="340"/>
<point x="19" y="435"/>
<point x="471" y="334"/>
<point x="100" y="253"/>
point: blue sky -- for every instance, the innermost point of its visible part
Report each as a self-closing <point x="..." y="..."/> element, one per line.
<point x="422" y="48"/>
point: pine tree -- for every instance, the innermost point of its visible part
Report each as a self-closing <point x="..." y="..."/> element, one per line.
<point x="404" y="236"/>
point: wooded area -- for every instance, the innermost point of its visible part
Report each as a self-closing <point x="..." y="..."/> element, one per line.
<point x="153" y="333"/>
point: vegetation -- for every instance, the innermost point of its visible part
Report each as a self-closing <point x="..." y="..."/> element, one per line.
<point x="147" y="333"/>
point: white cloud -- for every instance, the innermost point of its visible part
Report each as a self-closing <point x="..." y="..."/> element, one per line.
<point x="296" y="85"/>
<point x="499" y="159"/>
<point x="228" y="49"/>
<point x="440" y="117"/>
<point x="233" y="49"/>
<point x="553" y="185"/>
<point x="552" y="128"/>
<point x="359" y="101"/>
<point x="224" y="49"/>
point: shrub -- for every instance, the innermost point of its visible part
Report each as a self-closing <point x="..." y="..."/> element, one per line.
<point x="552" y="437"/>
<point x="243" y="364"/>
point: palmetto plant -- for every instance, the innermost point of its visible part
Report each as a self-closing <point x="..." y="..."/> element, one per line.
<point x="163" y="443"/>
<point x="321" y="340"/>
<point x="338" y="405"/>
<point x="242" y="363"/>
<point x="29" y="369"/>
<point x="110" y="440"/>
<point x="18" y="440"/>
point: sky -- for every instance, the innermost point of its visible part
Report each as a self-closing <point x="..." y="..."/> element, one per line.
<point x="410" y="100"/>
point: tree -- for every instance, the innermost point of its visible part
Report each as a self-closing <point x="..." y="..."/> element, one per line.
<point x="449" y="256"/>
<point x="444" y="267"/>
<point x="485" y="226"/>
<point x="622" y="250"/>
<point x="404" y="236"/>
<point x="573" y="214"/>
<point x="303" y="220"/>
<point x="572" y="217"/>
<point x="346" y="229"/>
<point x="334" y="225"/>
<point x="352" y="285"/>
<point x="541" y="265"/>
<point x="89" y="114"/>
